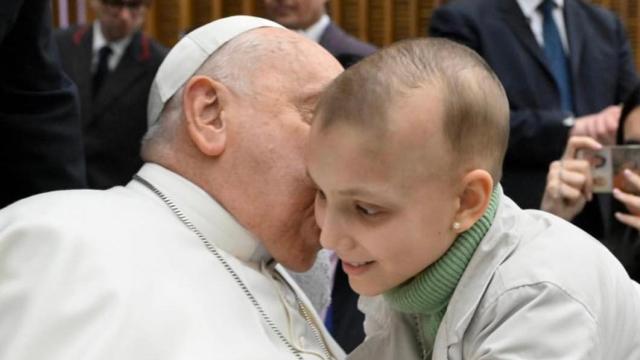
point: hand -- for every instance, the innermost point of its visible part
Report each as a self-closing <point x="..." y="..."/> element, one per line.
<point x="632" y="202"/>
<point x="601" y="126"/>
<point x="569" y="181"/>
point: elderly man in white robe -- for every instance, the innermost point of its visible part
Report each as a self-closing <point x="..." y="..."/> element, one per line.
<point x="184" y="261"/>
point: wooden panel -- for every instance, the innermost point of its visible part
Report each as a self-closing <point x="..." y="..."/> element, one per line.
<point x="150" y="25"/>
<point x="233" y="7"/>
<point x="91" y="16"/>
<point x="425" y="9"/>
<point x="217" y="7"/>
<point x="248" y="7"/>
<point x="405" y="19"/>
<point x="377" y="21"/>
<point x="259" y="8"/>
<point x="335" y="10"/>
<point x="363" y="20"/>
<point x="389" y="12"/>
<point x="185" y="17"/>
<point x="201" y="11"/>
<point x="373" y="25"/>
<point x="55" y="12"/>
<point x="168" y="21"/>
<point x="72" y="6"/>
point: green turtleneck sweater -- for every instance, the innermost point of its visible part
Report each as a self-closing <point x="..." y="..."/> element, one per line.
<point x="427" y="294"/>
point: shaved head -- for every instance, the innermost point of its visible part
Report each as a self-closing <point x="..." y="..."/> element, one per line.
<point x="475" y="119"/>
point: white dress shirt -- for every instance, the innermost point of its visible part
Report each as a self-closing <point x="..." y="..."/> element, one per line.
<point x="117" y="47"/>
<point x="315" y="31"/>
<point x="534" y="16"/>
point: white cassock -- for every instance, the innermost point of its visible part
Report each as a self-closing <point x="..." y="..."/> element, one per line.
<point x="114" y="274"/>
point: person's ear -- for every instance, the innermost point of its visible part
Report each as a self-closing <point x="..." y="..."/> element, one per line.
<point x="202" y="106"/>
<point x="477" y="186"/>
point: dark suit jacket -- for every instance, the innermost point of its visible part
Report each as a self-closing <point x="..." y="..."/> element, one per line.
<point x="601" y="67"/>
<point x="40" y="144"/>
<point x="347" y="49"/>
<point x="114" y="124"/>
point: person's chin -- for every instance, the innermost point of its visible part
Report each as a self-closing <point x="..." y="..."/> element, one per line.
<point x="300" y="263"/>
<point x="366" y="288"/>
<point x="289" y="22"/>
<point x="366" y="291"/>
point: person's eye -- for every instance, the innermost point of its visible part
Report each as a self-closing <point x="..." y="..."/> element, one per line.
<point x="366" y="210"/>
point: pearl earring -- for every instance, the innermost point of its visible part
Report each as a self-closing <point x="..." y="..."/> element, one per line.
<point x="456" y="226"/>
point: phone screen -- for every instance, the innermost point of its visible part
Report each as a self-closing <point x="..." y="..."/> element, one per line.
<point x="608" y="165"/>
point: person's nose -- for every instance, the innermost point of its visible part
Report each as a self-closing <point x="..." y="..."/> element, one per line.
<point x="333" y="234"/>
<point x="124" y="12"/>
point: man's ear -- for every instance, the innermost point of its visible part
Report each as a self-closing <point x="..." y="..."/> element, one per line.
<point x="201" y="101"/>
<point x="477" y="187"/>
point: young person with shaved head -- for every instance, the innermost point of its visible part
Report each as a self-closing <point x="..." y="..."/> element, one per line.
<point x="406" y="149"/>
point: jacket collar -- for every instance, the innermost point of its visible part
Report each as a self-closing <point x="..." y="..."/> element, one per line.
<point x="575" y="25"/>
<point x="99" y="41"/>
<point x="315" y="31"/>
<point x="519" y="25"/>
<point x="133" y="65"/>
<point x="530" y="6"/>
<point x="500" y="241"/>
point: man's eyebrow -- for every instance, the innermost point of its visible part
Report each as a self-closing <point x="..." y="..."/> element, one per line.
<point x="313" y="92"/>
<point x="309" y="96"/>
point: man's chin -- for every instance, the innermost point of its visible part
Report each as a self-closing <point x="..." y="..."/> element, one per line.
<point x="299" y="263"/>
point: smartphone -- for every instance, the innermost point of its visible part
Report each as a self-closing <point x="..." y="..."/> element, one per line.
<point x="608" y="165"/>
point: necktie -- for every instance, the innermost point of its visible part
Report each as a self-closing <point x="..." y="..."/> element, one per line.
<point x="102" y="70"/>
<point x="558" y="61"/>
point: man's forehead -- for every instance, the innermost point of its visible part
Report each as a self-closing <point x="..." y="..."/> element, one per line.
<point x="306" y="80"/>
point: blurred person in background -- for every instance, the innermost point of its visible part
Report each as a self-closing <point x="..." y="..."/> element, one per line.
<point x="569" y="190"/>
<point x="566" y="66"/>
<point x="113" y="63"/>
<point x="309" y="17"/>
<point x="40" y="139"/>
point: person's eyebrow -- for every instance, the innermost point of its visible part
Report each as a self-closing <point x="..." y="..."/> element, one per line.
<point x="353" y="192"/>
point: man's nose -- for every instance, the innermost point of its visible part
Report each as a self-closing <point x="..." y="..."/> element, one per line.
<point x="125" y="12"/>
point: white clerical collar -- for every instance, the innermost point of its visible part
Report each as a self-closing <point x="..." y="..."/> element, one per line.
<point x="208" y="216"/>
<point x="117" y="47"/>
<point x="315" y="31"/>
<point x="529" y="7"/>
